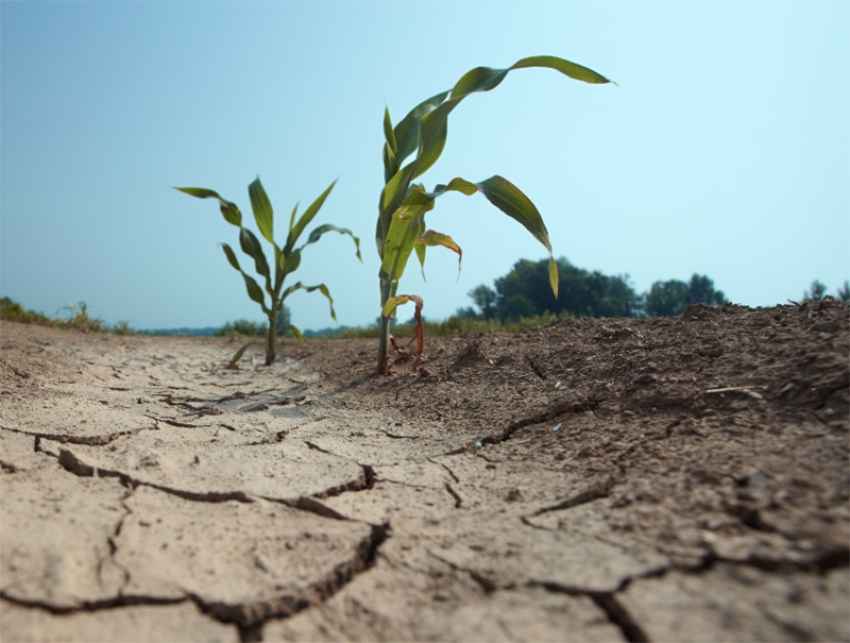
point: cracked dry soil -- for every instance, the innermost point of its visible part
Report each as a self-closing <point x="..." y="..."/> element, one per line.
<point x="595" y="480"/>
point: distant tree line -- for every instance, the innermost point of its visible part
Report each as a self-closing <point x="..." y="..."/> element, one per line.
<point x="817" y="291"/>
<point x="525" y="292"/>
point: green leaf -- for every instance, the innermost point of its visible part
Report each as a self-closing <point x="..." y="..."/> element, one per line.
<point x="553" y="275"/>
<point x="390" y="163"/>
<point x="432" y="238"/>
<point x="253" y="288"/>
<point x="389" y="135"/>
<point x="573" y="70"/>
<point x="407" y="131"/>
<point x="394" y="190"/>
<point x="251" y="246"/>
<point x="255" y="292"/>
<point x="407" y="136"/>
<point x="231" y="256"/>
<point x="321" y="287"/>
<point x="381" y="229"/>
<point x="293" y="261"/>
<point x="296" y="332"/>
<point x="433" y="128"/>
<point x="480" y="79"/>
<point x="280" y="271"/>
<point x="263" y="213"/>
<point x="513" y="202"/>
<point x="317" y="233"/>
<point x="458" y="185"/>
<point x="419" y="247"/>
<point x="240" y="353"/>
<point x="201" y="193"/>
<point x="229" y="210"/>
<point x="292" y="216"/>
<point x="399" y="300"/>
<point x="404" y="229"/>
<point x="309" y="214"/>
<point x="405" y="226"/>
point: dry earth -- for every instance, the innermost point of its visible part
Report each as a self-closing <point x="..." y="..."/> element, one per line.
<point x="595" y="480"/>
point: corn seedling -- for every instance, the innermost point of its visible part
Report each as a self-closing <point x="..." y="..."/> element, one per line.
<point x="403" y="205"/>
<point x="286" y="259"/>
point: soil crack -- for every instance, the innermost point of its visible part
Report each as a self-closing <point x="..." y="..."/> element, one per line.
<point x="620" y="617"/>
<point x="608" y="603"/>
<point x="88" y="440"/>
<point x="113" y="546"/>
<point x="546" y="415"/>
<point x="485" y="583"/>
<point x="177" y="423"/>
<point x="73" y="464"/>
<point x="249" y="618"/>
<point x="448" y="470"/>
<point x="365" y="480"/>
<point x="829" y="558"/>
<point x="123" y="600"/>
<point x="454" y="494"/>
<point x="595" y="492"/>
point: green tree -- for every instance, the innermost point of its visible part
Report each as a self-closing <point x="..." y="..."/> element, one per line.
<point x="528" y="281"/>
<point x="621" y="291"/>
<point x="844" y="292"/>
<point x="589" y="294"/>
<point x="581" y="293"/>
<point x="817" y="291"/>
<point x="485" y="300"/>
<point x="515" y="307"/>
<point x="467" y="313"/>
<point x="701" y="290"/>
<point x="666" y="298"/>
<point x="672" y="297"/>
<point x="611" y="296"/>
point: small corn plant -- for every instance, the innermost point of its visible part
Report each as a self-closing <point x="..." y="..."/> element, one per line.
<point x="403" y="205"/>
<point x="286" y="259"/>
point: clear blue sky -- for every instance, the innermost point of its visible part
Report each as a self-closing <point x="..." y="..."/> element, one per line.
<point x="724" y="151"/>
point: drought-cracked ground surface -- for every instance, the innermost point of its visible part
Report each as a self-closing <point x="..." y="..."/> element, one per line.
<point x="601" y="480"/>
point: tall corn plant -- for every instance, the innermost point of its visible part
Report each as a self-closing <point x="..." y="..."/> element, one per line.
<point x="403" y="205"/>
<point x="286" y="259"/>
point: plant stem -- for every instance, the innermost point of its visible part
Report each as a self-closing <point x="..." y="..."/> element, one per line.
<point x="383" y="347"/>
<point x="270" y="346"/>
<point x="387" y="291"/>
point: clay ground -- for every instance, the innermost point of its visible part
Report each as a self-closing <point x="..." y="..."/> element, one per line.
<point x="595" y="480"/>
